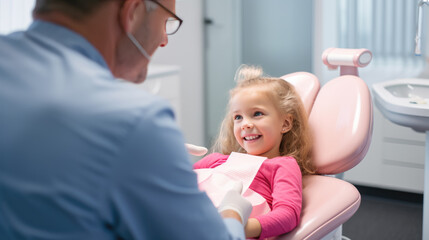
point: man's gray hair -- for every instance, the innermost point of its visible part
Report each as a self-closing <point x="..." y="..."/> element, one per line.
<point x="150" y="5"/>
<point x="77" y="9"/>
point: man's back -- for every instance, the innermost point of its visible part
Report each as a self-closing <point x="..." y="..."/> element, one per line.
<point x="74" y="149"/>
<point x="63" y="119"/>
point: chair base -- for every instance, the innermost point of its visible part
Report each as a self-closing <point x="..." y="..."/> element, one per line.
<point x="334" y="235"/>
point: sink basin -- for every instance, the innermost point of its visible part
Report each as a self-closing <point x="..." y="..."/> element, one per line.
<point x="404" y="102"/>
<point x="409" y="90"/>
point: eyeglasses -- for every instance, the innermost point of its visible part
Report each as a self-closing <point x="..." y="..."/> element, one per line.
<point x="173" y="23"/>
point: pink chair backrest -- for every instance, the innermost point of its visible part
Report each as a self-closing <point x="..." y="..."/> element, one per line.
<point x="341" y="122"/>
<point x="307" y="85"/>
<point x="340" y="118"/>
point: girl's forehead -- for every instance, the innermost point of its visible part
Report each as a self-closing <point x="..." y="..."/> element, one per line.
<point x="249" y="98"/>
<point x="249" y="92"/>
<point x="254" y="92"/>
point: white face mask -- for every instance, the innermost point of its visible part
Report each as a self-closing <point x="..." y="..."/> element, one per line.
<point x="138" y="46"/>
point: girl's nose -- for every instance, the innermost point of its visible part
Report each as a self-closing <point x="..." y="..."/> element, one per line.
<point x="246" y="125"/>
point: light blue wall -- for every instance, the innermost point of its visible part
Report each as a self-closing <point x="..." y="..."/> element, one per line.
<point x="277" y="35"/>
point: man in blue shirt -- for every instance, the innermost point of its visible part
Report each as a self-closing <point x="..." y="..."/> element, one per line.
<point x="84" y="153"/>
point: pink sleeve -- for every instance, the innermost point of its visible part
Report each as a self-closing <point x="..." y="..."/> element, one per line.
<point x="286" y="182"/>
<point x="211" y="161"/>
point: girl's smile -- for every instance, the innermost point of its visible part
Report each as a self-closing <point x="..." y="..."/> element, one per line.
<point x="251" y="137"/>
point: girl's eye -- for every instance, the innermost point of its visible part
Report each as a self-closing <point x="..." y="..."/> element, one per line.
<point x="258" y="114"/>
<point x="237" y="117"/>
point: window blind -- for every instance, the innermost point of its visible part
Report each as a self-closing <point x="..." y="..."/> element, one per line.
<point x="386" y="27"/>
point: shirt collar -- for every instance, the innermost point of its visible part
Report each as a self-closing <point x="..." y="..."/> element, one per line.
<point x="68" y="38"/>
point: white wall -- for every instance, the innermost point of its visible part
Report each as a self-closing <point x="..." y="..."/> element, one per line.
<point x="185" y="49"/>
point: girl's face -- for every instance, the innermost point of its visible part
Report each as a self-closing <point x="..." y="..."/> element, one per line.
<point x="258" y="125"/>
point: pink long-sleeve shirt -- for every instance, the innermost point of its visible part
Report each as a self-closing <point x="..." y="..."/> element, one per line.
<point x="279" y="181"/>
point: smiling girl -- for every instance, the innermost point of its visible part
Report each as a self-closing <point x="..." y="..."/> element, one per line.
<point x="267" y="118"/>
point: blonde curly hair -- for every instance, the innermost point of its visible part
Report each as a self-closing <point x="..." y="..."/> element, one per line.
<point x="296" y="142"/>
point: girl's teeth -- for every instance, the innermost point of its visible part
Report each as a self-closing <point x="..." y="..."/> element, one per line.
<point x="251" y="137"/>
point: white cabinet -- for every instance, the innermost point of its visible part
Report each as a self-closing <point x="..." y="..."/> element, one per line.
<point x="163" y="80"/>
<point x="395" y="159"/>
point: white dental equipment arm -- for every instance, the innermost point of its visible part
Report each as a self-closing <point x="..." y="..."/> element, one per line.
<point x="417" y="51"/>
<point x="347" y="59"/>
<point x="195" y="150"/>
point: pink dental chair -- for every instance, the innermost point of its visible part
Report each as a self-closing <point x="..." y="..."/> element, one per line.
<point x="341" y="118"/>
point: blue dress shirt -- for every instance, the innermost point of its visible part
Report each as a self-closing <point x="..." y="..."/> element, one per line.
<point x="84" y="155"/>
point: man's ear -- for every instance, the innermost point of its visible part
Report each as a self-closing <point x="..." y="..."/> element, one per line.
<point x="127" y="14"/>
<point x="287" y="123"/>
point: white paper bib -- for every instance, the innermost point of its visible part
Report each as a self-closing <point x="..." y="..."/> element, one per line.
<point x="238" y="168"/>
